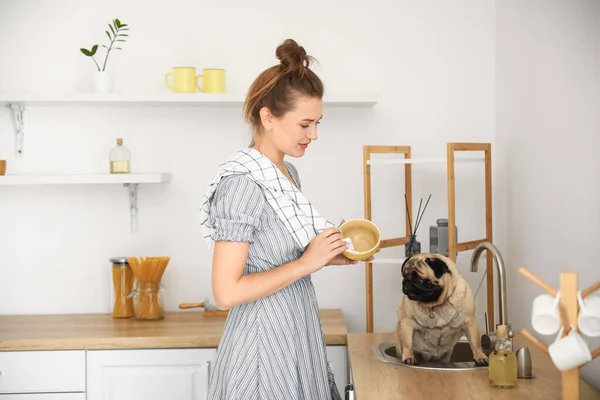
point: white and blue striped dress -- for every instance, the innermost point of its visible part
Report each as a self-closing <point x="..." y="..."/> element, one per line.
<point x="272" y="348"/>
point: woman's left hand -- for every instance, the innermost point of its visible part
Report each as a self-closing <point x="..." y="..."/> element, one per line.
<point x="341" y="259"/>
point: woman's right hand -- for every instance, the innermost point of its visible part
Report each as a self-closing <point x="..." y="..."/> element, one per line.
<point x="322" y="249"/>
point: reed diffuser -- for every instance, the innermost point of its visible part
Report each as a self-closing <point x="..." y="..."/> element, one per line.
<point x="148" y="272"/>
<point x="413" y="246"/>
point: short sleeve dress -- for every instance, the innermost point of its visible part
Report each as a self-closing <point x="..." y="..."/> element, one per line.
<point x="272" y="348"/>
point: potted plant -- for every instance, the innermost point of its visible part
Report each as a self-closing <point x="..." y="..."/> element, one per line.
<point x="103" y="80"/>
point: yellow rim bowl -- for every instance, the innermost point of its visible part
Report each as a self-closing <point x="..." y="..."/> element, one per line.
<point x="365" y="237"/>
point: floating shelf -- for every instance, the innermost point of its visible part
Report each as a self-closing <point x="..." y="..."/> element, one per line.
<point x="433" y="160"/>
<point x="178" y="99"/>
<point x="130" y="181"/>
<point x="84" y="179"/>
<point x="19" y="101"/>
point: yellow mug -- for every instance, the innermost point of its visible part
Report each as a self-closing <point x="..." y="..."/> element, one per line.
<point x="213" y="79"/>
<point x="185" y="80"/>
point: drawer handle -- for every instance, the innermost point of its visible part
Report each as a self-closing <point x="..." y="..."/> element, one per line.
<point x="207" y="377"/>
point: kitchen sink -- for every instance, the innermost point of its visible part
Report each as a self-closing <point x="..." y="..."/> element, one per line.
<point x="461" y="359"/>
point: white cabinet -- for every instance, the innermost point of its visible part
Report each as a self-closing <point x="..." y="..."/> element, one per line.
<point x="158" y="374"/>
<point x="121" y="374"/>
<point x="48" y="372"/>
<point x="44" y="396"/>
<point x="338" y="360"/>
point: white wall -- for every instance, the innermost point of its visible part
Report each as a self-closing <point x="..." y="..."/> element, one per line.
<point x="431" y="62"/>
<point x="547" y="102"/>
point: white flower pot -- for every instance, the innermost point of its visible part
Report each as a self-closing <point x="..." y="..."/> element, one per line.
<point x="103" y="81"/>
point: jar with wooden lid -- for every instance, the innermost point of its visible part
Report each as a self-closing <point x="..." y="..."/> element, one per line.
<point x="122" y="279"/>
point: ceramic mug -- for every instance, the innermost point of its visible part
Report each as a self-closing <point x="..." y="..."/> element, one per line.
<point x="545" y="318"/>
<point x="185" y="80"/>
<point x="589" y="315"/>
<point x="213" y="80"/>
<point x="570" y="351"/>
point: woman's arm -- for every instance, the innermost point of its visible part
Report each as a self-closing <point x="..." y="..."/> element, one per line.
<point x="231" y="288"/>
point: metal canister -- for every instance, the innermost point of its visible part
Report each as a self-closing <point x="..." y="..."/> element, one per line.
<point x="438" y="237"/>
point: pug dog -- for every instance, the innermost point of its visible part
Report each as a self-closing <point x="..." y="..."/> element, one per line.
<point x="437" y="309"/>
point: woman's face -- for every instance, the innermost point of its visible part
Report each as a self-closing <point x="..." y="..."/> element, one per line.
<point x="295" y="130"/>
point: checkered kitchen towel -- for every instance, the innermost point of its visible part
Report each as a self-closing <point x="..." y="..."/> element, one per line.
<point x="300" y="218"/>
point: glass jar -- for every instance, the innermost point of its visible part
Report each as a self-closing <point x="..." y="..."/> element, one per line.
<point x="120" y="159"/>
<point x="148" y="299"/>
<point x="122" y="279"/>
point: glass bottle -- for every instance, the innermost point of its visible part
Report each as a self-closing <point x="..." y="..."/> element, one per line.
<point x="413" y="246"/>
<point x="120" y="159"/>
<point x="502" y="361"/>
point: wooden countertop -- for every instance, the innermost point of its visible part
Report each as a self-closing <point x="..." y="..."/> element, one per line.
<point x="102" y="331"/>
<point x="375" y="380"/>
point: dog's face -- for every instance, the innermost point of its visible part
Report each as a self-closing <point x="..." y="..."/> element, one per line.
<point x="427" y="278"/>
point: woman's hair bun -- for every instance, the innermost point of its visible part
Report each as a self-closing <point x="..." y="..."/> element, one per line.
<point x="292" y="56"/>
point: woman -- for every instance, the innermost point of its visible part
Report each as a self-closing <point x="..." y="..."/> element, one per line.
<point x="268" y="240"/>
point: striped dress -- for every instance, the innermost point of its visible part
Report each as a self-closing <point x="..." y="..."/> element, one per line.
<point x="272" y="348"/>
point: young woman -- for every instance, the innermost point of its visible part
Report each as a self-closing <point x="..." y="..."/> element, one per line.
<point x="268" y="240"/>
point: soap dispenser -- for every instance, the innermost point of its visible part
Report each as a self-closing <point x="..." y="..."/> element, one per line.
<point x="502" y="361"/>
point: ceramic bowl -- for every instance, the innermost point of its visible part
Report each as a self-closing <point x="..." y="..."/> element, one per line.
<point x="365" y="236"/>
<point x="2" y="167"/>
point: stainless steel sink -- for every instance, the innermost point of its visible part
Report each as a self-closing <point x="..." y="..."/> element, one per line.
<point x="461" y="359"/>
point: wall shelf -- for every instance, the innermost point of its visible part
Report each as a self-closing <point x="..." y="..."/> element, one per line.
<point x="165" y="99"/>
<point x="130" y="181"/>
<point x="18" y="102"/>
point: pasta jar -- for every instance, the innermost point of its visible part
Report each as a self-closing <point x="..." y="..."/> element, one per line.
<point x="148" y="299"/>
<point x="122" y="279"/>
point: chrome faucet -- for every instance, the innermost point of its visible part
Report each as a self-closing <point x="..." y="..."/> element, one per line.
<point x="500" y="268"/>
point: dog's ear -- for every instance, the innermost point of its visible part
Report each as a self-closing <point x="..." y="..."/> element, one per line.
<point x="404" y="264"/>
<point x="438" y="266"/>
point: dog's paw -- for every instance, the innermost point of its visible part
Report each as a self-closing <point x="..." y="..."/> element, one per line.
<point x="481" y="360"/>
<point x="410" y="361"/>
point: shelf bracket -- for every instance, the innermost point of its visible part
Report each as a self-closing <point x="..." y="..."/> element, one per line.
<point x="18" y="113"/>
<point x="133" y="207"/>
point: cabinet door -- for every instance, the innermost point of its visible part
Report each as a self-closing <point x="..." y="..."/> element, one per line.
<point x="149" y="374"/>
<point x="44" y="396"/>
<point x="338" y="361"/>
<point x="57" y="371"/>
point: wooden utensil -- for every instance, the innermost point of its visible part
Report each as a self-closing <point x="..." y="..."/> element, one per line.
<point x="209" y="308"/>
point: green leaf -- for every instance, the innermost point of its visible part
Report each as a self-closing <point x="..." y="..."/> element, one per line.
<point x="119" y="40"/>
<point x="94" y="49"/>
<point x="122" y="34"/>
<point x="109" y="37"/>
<point x="111" y="28"/>
<point x="117" y="23"/>
<point x="104" y="46"/>
<point x="123" y="26"/>
<point x="117" y="48"/>
<point x="86" y="52"/>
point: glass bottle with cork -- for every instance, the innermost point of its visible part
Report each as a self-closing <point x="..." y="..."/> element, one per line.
<point x="120" y="159"/>
<point x="502" y="361"/>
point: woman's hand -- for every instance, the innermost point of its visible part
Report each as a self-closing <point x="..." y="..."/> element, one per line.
<point x="341" y="259"/>
<point x="322" y="249"/>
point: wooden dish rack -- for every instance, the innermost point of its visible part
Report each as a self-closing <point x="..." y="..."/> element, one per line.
<point x="569" y="312"/>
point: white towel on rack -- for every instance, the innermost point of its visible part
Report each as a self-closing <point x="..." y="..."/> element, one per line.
<point x="297" y="213"/>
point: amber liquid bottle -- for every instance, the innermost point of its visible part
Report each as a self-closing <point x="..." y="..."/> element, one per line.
<point x="120" y="159"/>
<point x="503" y="362"/>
